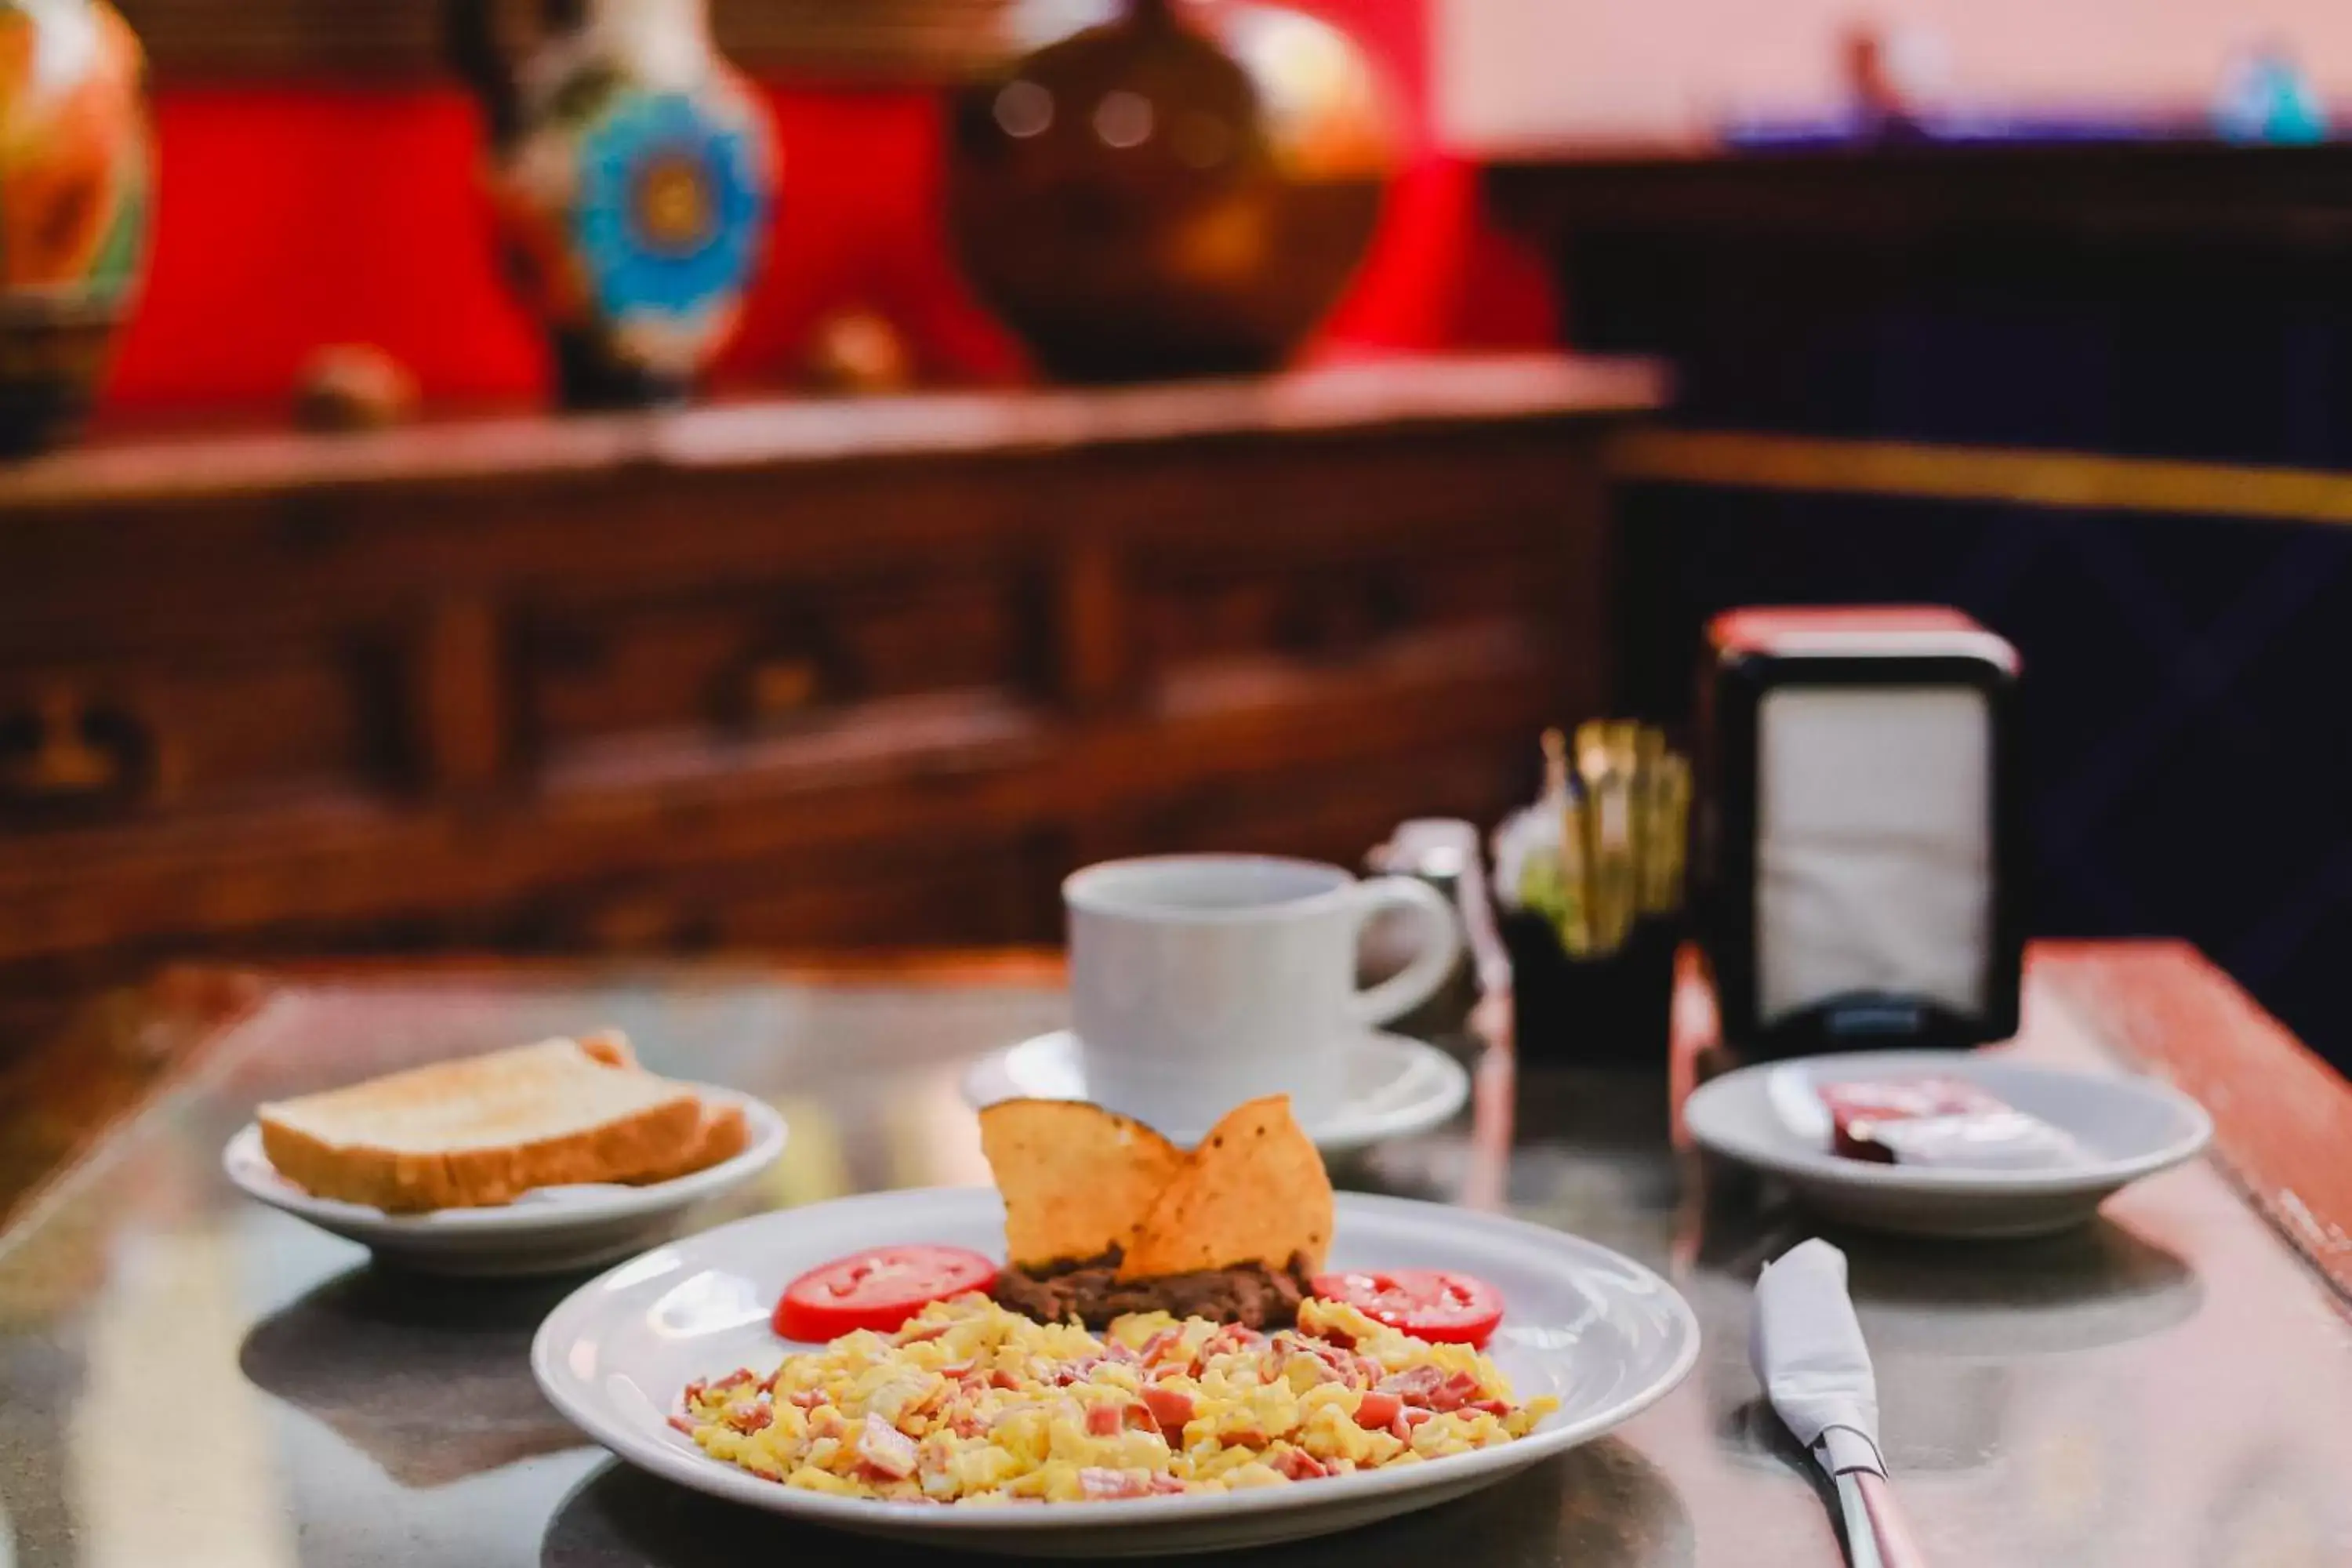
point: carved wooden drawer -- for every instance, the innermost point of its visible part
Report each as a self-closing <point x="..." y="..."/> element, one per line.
<point x="745" y="661"/>
<point x="1332" y="812"/>
<point x="192" y="731"/>
<point x="968" y="893"/>
<point x="1190" y="611"/>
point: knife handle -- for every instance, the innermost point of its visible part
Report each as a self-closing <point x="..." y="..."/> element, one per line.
<point x="1888" y="1528"/>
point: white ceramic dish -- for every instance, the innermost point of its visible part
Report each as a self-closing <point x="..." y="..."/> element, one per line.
<point x="2128" y="1127"/>
<point x="1392" y="1087"/>
<point x="551" y="1231"/>
<point x="1603" y="1334"/>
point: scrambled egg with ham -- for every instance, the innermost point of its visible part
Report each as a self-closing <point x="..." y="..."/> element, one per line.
<point x="972" y="1404"/>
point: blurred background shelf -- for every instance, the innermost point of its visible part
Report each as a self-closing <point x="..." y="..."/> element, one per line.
<point x="214" y="41"/>
<point x="2190" y="188"/>
<point x="800" y="672"/>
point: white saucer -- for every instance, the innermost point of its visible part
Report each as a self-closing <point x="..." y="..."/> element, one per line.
<point x="1394" y="1087"/>
<point x="552" y="1230"/>
<point x="1604" y="1335"/>
<point x="2129" y="1127"/>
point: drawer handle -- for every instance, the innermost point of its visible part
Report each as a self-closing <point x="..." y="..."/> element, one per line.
<point x="649" y="924"/>
<point x="1347" y="618"/>
<point x="770" y="689"/>
<point x="61" y="747"/>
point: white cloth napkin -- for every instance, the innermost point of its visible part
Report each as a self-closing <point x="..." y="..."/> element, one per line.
<point x="1808" y="1351"/>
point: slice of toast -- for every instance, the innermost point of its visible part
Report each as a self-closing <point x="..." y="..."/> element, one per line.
<point x="485" y="1129"/>
<point x="725" y="1131"/>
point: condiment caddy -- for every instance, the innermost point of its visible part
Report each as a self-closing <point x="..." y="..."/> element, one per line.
<point x="1590" y="885"/>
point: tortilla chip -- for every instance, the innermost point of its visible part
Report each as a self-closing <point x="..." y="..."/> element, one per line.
<point x="1077" y="1179"/>
<point x="1253" y="1191"/>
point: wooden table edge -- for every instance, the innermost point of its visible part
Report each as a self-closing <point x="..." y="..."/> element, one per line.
<point x="2281" y="1116"/>
<point x="59" y="1101"/>
<point x="62" y="1099"/>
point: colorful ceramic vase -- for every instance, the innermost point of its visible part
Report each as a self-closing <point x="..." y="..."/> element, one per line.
<point x="76" y="171"/>
<point x="1183" y="190"/>
<point x="634" y="173"/>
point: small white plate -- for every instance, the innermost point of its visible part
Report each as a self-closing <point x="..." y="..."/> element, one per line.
<point x="1394" y="1087"/>
<point x="1602" y="1334"/>
<point x="550" y="1231"/>
<point x="2130" y="1128"/>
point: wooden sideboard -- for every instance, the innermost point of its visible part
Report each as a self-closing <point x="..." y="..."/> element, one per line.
<point x="805" y="674"/>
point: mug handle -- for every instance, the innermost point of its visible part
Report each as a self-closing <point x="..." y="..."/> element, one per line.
<point x="1416" y="983"/>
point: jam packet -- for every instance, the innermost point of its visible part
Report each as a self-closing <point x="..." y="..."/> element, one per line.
<point x="1940" y="1122"/>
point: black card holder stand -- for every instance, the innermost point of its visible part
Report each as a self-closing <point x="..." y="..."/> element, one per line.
<point x="1611" y="1011"/>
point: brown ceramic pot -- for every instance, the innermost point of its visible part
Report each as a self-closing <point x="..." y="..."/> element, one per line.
<point x="1183" y="190"/>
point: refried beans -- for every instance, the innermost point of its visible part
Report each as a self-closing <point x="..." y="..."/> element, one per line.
<point x="1090" y="1290"/>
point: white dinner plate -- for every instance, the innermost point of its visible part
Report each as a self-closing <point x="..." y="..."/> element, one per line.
<point x="2129" y="1127"/>
<point x="1602" y="1334"/>
<point x="1392" y="1086"/>
<point x="551" y="1230"/>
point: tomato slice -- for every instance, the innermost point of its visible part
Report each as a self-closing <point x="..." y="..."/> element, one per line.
<point x="879" y="1288"/>
<point x="1433" y="1304"/>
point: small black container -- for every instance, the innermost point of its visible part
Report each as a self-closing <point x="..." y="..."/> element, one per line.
<point x="1612" y="1011"/>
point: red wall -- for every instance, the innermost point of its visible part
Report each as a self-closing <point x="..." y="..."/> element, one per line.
<point x="290" y="218"/>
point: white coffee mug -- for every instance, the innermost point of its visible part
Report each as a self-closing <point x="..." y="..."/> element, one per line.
<point x="1201" y="981"/>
